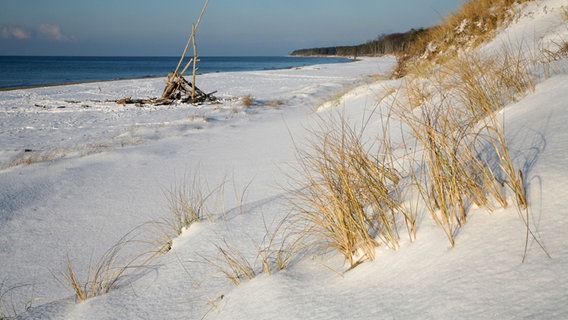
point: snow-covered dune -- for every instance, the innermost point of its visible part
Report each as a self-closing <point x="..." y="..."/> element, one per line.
<point x="79" y="172"/>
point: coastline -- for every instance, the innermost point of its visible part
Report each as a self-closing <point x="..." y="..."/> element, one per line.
<point x="23" y="72"/>
<point x="93" y="150"/>
<point x="244" y="207"/>
<point x="300" y="86"/>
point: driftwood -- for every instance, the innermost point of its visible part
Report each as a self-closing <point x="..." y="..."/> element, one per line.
<point x="178" y="89"/>
<point x="141" y="102"/>
<point x="201" y="97"/>
<point x="176" y="85"/>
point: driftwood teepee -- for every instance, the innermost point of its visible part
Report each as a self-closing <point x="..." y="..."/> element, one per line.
<point x="177" y="87"/>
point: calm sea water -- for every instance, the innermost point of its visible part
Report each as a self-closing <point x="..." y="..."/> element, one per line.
<point x="21" y="71"/>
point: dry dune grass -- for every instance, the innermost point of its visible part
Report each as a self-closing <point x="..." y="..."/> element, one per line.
<point x="473" y="23"/>
<point x="6" y="309"/>
<point x="189" y="201"/>
<point x="275" y="252"/>
<point x="279" y="246"/>
<point x="453" y="113"/>
<point x="347" y="199"/>
<point x="111" y="270"/>
<point x="29" y="157"/>
<point x="233" y="265"/>
<point x="450" y="103"/>
<point x="248" y="100"/>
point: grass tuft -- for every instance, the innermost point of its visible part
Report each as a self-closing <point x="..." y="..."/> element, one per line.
<point x="248" y="100"/>
<point x="187" y="202"/>
<point x="30" y="157"/>
<point x="3" y="304"/>
<point x="347" y="197"/>
<point x="279" y="247"/>
<point x="109" y="272"/>
<point x="231" y="263"/>
<point x="452" y="113"/>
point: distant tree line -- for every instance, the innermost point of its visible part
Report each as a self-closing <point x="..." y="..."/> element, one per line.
<point x="384" y="44"/>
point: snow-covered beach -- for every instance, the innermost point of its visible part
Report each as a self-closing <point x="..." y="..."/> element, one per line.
<point x="78" y="172"/>
<point x="140" y="152"/>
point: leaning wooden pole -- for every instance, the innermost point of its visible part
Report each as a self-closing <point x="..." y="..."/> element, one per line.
<point x="194" y="71"/>
<point x="193" y="30"/>
<point x="177" y="88"/>
<point x="193" y="61"/>
<point x="191" y="37"/>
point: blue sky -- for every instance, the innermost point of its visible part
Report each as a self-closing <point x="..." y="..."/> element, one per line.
<point x="229" y="27"/>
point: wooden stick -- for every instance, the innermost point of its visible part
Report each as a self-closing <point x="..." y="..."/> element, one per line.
<point x="187" y="66"/>
<point x="192" y="36"/>
<point x="194" y="66"/>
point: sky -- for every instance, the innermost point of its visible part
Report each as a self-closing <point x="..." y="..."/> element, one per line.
<point x="229" y="27"/>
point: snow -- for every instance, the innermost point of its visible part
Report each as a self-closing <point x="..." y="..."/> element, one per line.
<point x="100" y="170"/>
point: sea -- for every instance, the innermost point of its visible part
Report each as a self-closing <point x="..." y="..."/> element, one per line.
<point x="31" y="71"/>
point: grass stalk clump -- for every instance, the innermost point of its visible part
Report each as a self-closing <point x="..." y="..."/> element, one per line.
<point x="279" y="246"/>
<point x="275" y="252"/>
<point x="452" y="114"/>
<point x="187" y="202"/>
<point x="3" y="304"/>
<point x="109" y="272"/>
<point x="487" y="85"/>
<point x="100" y="280"/>
<point x="347" y="200"/>
<point x="449" y="181"/>
<point x="231" y="263"/>
<point x="9" y="309"/>
<point x="248" y="100"/>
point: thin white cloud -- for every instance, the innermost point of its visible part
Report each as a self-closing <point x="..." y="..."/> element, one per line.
<point x="53" y="32"/>
<point x="13" y="32"/>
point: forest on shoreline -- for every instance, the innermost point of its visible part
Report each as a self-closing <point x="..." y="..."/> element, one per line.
<point x="384" y="44"/>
